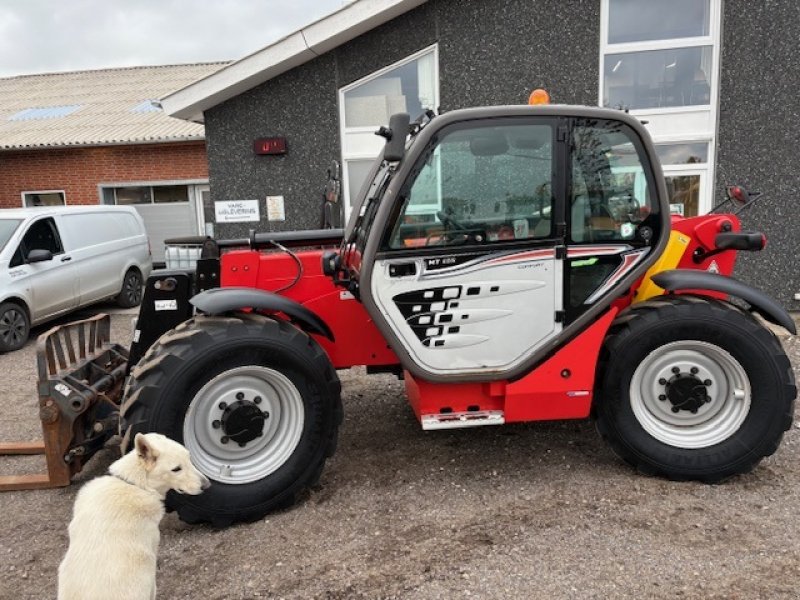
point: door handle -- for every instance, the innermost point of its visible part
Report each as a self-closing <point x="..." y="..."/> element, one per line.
<point x="65" y="258"/>
<point x="402" y="269"/>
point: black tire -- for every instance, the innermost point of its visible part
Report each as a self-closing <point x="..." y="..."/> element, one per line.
<point x="178" y="371"/>
<point x="659" y="433"/>
<point x="15" y="326"/>
<point x="131" y="293"/>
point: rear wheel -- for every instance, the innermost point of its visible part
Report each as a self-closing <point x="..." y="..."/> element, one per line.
<point x="131" y="293"/>
<point x="693" y="389"/>
<point x="15" y="326"/>
<point x="256" y="401"/>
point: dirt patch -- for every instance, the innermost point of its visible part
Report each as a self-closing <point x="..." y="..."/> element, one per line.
<point x="525" y="511"/>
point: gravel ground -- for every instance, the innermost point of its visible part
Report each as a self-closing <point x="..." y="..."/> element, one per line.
<point x="525" y="511"/>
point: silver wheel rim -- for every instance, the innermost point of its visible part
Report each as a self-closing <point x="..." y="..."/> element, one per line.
<point x="229" y="462"/>
<point x="727" y="387"/>
<point x="132" y="288"/>
<point x="13" y="327"/>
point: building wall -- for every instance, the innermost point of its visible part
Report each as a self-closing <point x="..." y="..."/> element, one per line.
<point x="490" y="52"/>
<point x="78" y="171"/>
<point x="758" y="140"/>
<point x="496" y="52"/>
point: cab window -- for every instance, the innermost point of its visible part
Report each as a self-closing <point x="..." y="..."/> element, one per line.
<point x="42" y="235"/>
<point x="610" y="194"/>
<point x="480" y="184"/>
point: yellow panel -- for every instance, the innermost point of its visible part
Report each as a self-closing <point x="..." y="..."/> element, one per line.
<point x="670" y="258"/>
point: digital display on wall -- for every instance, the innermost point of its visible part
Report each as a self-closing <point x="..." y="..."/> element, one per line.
<point x="270" y="145"/>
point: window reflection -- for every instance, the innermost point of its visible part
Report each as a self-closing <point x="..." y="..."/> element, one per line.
<point x="680" y="154"/>
<point x="658" y="78"/>
<point x="684" y="195"/>
<point x="408" y="88"/>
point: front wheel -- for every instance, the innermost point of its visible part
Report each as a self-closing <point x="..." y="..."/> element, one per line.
<point x="256" y="402"/>
<point x="693" y="389"/>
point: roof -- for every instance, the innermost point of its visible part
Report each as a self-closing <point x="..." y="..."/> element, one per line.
<point x="95" y="108"/>
<point x="24" y="213"/>
<point x="289" y="52"/>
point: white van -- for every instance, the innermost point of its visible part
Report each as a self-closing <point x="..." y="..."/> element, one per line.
<point x="56" y="259"/>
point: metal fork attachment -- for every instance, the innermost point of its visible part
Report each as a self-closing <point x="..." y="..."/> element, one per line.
<point x="81" y="375"/>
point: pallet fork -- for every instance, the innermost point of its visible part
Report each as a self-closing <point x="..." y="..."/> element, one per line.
<point x="81" y="375"/>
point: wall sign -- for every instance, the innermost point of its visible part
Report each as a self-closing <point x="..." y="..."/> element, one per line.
<point x="270" y="145"/>
<point x="275" y="208"/>
<point x="237" y="211"/>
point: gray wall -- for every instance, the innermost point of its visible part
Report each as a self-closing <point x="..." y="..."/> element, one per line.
<point x="758" y="145"/>
<point x="496" y="52"/>
<point x="490" y="52"/>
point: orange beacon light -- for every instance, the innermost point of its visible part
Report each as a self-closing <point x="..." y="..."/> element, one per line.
<point x="539" y="96"/>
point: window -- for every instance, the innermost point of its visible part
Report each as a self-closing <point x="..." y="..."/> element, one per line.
<point x="478" y="185"/>
<point x="642" y="20"/>
<point x="46" y="198"/>
<point x="657" y="54"/>
<point x="411" y="85"/>
<point x="661" y="60"/>
<point x="41" y="235"/>
<point x="658" y="78"/>
<point x="610" y="195"/>
<point x="7" y="229"/>
<point x="686" y="170"/>
<point x="145" y="194"/>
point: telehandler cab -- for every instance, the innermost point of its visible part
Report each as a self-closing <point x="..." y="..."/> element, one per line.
<point x="511" y="264"/>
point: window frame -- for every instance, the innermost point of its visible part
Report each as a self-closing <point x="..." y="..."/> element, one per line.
<point x="712" y="40"/>
<point x="349" y="196"/>
<point x="660" y="119"/>
<point x="28" y="193"/>
<point x="556" y="182"/>
<point x="188" y="184"/>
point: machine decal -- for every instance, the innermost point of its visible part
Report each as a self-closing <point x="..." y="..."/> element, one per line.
<point x="578" y="251"/>
<point x="629" y="261"/>
<point x="487" y="313"/>
<point x="485" y="261"/>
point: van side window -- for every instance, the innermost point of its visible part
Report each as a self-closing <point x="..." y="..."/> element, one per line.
<point x="41" y="235"/>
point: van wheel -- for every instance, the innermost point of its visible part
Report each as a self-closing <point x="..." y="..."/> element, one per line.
<point x="693" y="388"/>
<point x="131" y="294"/>
<point x="15" y="326"/>
<point x="255" y="400"/>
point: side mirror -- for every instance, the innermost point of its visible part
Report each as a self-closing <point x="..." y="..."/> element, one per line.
<point x="395" y="137"/>
<point x="39" y="255"/>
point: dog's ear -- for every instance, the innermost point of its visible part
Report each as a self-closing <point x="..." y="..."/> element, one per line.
<point x="144" y="449"/>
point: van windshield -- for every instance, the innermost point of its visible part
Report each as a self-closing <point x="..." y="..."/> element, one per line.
<point x="7" y="229"/>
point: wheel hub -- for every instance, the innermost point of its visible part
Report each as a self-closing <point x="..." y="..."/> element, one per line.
<point x="685" y="391"/>
<point x="243" y="421"/>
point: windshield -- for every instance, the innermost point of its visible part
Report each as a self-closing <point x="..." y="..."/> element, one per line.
<point x="7" y="229"/>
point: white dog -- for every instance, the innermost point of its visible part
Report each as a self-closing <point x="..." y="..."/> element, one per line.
<point x="113" y="536"/>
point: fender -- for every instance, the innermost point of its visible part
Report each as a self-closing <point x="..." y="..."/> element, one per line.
<point x="689" y="279"/>
<point x="220" y="300"/>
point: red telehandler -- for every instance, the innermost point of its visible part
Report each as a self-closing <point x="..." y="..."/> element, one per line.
<point x="510" y="264"/>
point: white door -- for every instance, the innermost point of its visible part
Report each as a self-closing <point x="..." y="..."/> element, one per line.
<point x="475" y="286"/>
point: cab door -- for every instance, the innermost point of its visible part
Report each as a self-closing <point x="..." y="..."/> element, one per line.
<point x="469" y="273"/>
